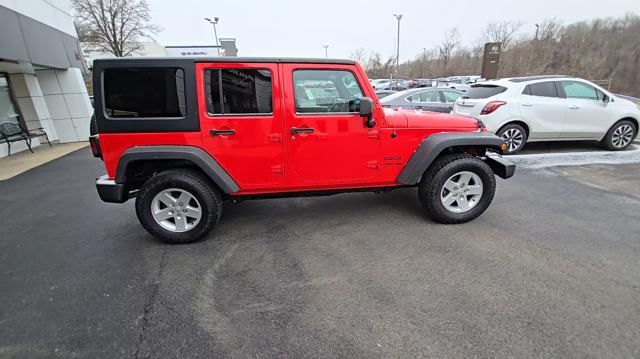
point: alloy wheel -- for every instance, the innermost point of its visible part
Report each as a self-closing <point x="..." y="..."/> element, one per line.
<point x="461" y="192"/>
<point x="176" y="210"/>
<point x="514" y="138"/>
<point x="622" y="136"/>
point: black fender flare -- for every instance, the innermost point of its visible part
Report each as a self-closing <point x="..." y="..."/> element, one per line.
<point x="195" y="155"/>
<point x="432" y="146"/>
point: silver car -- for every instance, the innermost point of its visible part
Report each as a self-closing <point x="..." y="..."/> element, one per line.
<point x="384" y="93"/>
<point x="425" y="99"/>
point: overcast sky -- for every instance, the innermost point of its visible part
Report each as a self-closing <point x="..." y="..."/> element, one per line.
<point x="300" y="28"/>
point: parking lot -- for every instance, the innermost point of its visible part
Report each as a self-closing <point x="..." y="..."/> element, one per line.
<point x="550" y="270"/>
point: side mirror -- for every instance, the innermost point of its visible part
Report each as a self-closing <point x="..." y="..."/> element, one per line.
<point x="366" y="110"/>
<point x="606" y="99"/>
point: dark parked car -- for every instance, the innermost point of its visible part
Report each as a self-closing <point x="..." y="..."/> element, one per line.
<point x="410" y="84"/>
<point x="396" y="85"/>
<point x="425" y="82"/>
<point x="426" y="99"/>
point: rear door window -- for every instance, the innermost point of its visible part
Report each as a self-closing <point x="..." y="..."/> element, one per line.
<point x="481" y="91"/>
<point x="542" y="89"/>
<point x="150" y="92"/>
<point x="239" y="91"/>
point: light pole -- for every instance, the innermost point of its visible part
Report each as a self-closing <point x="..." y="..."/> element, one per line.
<point x="424" y="61"/>
<point x="326" y="51"/>
<point x="215" y="32"/>
<point x="399" y="17"/>
<point x="533" y="46"/>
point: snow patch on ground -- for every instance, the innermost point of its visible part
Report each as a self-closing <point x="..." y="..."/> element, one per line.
<point x="542" y="160"/>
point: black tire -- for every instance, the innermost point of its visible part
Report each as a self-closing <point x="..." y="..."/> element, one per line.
<point x="509" y="141"/>
<point x="610" y="143"/>
<point x="433" y="181"/>
<point x="194" y="182"/>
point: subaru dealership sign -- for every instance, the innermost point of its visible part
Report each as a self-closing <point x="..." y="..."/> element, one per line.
<point x="193" y="51"/>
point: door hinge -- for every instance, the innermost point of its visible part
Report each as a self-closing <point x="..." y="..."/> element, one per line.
<point x="275" y="137"/>
<point x="279" y="169"/>
<point x="374" y="134"/>
<point x="372" y="164"/>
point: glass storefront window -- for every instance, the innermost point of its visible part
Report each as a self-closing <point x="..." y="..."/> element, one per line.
<point x="8" y="112"/>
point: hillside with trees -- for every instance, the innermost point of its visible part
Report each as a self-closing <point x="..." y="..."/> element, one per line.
<point x="601" y="49"/>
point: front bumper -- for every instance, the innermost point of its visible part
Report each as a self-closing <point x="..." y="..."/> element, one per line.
<point x="500" y="166"/>
<point x="110" y="191"/>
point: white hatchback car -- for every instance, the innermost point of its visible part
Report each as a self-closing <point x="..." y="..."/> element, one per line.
<point x="551" y="108"/>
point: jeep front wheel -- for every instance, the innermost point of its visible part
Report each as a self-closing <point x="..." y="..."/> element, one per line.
<point x="457" y="189"/>
<point x="178" y="206"/>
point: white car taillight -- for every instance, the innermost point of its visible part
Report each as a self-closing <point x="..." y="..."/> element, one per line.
<point x="492" y="107"/>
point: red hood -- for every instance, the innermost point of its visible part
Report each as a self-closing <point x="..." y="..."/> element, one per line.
<point x="402" y="118"/>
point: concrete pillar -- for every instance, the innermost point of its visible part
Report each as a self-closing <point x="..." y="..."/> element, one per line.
<point x="65" y="95"/>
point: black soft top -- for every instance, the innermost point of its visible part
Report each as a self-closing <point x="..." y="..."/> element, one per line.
<point x="186" y="59"/>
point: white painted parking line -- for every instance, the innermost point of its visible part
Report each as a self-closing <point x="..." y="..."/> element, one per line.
<point x="542" y="160"/>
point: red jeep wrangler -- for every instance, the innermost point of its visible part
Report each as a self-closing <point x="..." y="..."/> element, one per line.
<point x="184" y="135"/>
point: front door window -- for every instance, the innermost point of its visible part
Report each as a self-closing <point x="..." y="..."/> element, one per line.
<point x="326" y="91"/>
<point x="8" y="111"/>
<point x="579" y="90"/>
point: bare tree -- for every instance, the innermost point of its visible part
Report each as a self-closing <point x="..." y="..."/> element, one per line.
<point x="116" y="26"/>
<point x="377" y="68"/>
<point x="502" y="31"/>
<point x="541" y="48"/>
<point x="360" y="55"/>
<point x="425" y="60"/>
<point x="549" y="29"/>
<point x="449" y="43"/>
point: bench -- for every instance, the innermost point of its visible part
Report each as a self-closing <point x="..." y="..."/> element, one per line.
<point x="16" y="132"/>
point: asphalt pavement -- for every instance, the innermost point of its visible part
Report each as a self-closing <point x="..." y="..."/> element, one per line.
<point x="551" y="270"/>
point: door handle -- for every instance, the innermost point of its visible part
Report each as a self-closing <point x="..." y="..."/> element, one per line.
<point x="418" y="107"/>
<point x="574" y="107"/>
<point x="526" y="104"/>
<point x="295" y="130"/>
<point x="215" y="132"/>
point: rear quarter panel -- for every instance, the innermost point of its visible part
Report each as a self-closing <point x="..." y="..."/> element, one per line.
<point x="113" y="145"/>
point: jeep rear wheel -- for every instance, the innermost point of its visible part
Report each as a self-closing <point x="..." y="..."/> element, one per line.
<point x="178" y="206"/>
<point x="457" y="189"/>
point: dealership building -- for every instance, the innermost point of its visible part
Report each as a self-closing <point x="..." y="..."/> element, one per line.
<point x="41" y="68"/>
<point x="227" y="47"/>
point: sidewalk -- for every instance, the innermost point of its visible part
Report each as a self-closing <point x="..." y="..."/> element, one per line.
<point x="18" y="163"/>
